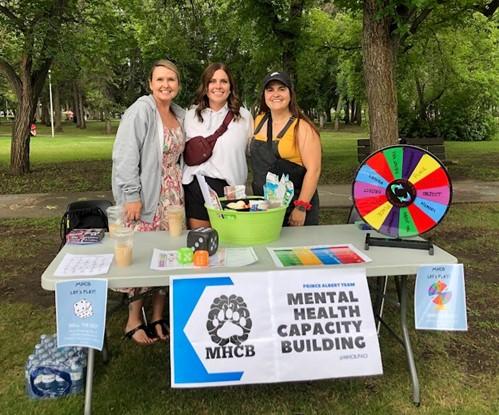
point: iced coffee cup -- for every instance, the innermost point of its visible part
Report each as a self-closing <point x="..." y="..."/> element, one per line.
<point x="175" y="219"/>
<point x="115" y="219"/>
<point x="123" y="246"/>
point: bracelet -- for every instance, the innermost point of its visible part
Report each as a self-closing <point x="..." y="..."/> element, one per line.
<point x="302" y="204"/>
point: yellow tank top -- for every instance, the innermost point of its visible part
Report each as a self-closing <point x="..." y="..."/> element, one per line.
<point x="287" y="145"/>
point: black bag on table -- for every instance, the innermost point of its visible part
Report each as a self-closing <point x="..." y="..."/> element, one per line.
<point x="84" y="214"/>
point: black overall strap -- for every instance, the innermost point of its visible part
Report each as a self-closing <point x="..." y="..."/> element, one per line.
<point x="260" y="124"/>
<point x="269" y="131"/>
<point x="286" y="127"/>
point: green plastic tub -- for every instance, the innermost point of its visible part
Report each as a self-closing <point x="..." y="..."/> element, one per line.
<point x="247" y="228"/>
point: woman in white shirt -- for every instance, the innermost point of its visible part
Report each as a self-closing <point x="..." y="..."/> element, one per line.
<point x="216" y="95"/>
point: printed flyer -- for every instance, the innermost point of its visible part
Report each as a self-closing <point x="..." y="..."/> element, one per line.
<point x="81" y="312"/>
<point x="439" y="298"/>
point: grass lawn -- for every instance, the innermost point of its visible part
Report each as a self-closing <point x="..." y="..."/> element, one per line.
<point x="458" y="371"/>
<point x="73" y="161"/>
<point x="80" y="160"/>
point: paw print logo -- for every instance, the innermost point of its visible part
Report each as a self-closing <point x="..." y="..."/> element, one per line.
<point x="229" y="320"/>
<point x="83" y="309"/>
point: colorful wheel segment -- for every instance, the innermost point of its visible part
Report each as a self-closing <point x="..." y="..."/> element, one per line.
<point x="402" y="191"/>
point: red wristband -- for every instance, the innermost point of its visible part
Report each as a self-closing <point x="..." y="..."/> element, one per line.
<point x="306" y="205"/>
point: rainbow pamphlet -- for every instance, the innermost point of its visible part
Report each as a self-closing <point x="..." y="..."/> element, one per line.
<point x="439" y="298"/>
<point x="321" y="255"/>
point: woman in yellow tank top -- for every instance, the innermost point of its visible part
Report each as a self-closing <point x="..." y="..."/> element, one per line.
<point x="286" y="141"/>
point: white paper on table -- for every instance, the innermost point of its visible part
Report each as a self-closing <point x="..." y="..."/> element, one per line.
<point x="228" y="257"/>
<point x="84" y="265"/>
<point x="239" y="257"/>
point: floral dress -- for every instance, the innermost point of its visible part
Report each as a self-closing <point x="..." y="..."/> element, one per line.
<point x="171" y="192"/>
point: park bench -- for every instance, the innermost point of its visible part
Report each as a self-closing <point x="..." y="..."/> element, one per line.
<point x="435" y="145"/>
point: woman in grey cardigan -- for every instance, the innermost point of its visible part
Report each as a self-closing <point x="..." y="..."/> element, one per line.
<point x="147" y="178"/>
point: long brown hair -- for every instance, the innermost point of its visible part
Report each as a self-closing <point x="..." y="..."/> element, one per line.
<point x="201" y="99"/>
<point x="293" y="107"/>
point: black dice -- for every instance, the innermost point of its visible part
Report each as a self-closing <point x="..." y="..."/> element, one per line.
<point x="203" y="239"/>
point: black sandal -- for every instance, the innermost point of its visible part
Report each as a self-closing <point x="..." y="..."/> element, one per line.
<point x="129" y="334"/>
<point x="165" y="327"/>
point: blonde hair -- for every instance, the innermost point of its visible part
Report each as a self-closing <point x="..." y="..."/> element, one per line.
<point x="166" y="64"/>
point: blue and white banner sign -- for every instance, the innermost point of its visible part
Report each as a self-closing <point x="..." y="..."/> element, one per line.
<point x="440" y="298"/>
<point x="274" y="326"/>
<point x="81" y="312"/>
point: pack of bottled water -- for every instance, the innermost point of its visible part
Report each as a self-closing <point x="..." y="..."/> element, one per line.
<point x="51" y="372"/>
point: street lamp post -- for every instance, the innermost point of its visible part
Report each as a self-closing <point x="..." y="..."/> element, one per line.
<point x="51" y="106"/>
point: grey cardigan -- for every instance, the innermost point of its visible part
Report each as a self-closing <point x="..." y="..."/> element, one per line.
<point x="137" y="155"/>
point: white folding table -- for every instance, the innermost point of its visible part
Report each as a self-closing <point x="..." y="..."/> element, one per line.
<point x="386" y="261"/>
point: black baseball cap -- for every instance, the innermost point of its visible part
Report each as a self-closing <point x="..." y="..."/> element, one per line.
<point x="281" y="77"/>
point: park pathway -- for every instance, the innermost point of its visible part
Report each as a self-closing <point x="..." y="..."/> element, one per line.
<point x="46" y="205"/>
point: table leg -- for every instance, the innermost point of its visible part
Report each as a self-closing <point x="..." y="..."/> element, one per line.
<point x="407" y="340"/>
<point x="89" y="382"/>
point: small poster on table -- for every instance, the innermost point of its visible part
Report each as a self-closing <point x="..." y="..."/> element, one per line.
<point x="81" y="312"/>
<point x="323" y="255"/>
<point x="439" y="298"/>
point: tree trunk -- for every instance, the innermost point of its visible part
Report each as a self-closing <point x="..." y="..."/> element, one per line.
<point x="345" y="113"/>
<point x="109" y="129"/>
<point x="322" y="119"/>
<point x="83" y="123"/>
<point x="76" y="103"/>
<point x="358" y="112"/>
<point x="19" y="146"/>
<point x="57" y="110"/>
<point x="379" y="73"/>
<point x="337" y="114"/>
<point x="79" y="111"/>
<point x="290" y="37"/>
<point x="45" y="116"/>
<point x="421" y="104"/>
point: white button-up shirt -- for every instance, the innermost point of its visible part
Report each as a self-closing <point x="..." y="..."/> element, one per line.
<point x="228" y="161"/>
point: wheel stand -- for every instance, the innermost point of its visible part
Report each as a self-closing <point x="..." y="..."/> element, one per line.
<point x="398" y="243"/>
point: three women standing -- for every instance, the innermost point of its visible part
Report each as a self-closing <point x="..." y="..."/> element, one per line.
<point x="147" y="177"/>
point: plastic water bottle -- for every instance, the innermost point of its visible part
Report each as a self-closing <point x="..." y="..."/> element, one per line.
<point x="62" y="385"/>
<point x="76" y="373"/>
<point x="50" y="384"/>
<point x="27" y="373"/>
<point x="39" y="349"/>
<point x="38" y="384"/>
<point x="43" y="357"/>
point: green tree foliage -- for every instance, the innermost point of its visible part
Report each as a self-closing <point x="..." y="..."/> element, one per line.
<point x="449" y="79"/>
<point x="442" y="55"/>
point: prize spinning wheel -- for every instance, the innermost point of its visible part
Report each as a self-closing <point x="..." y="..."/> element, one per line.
<point x="402" y="191"/>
